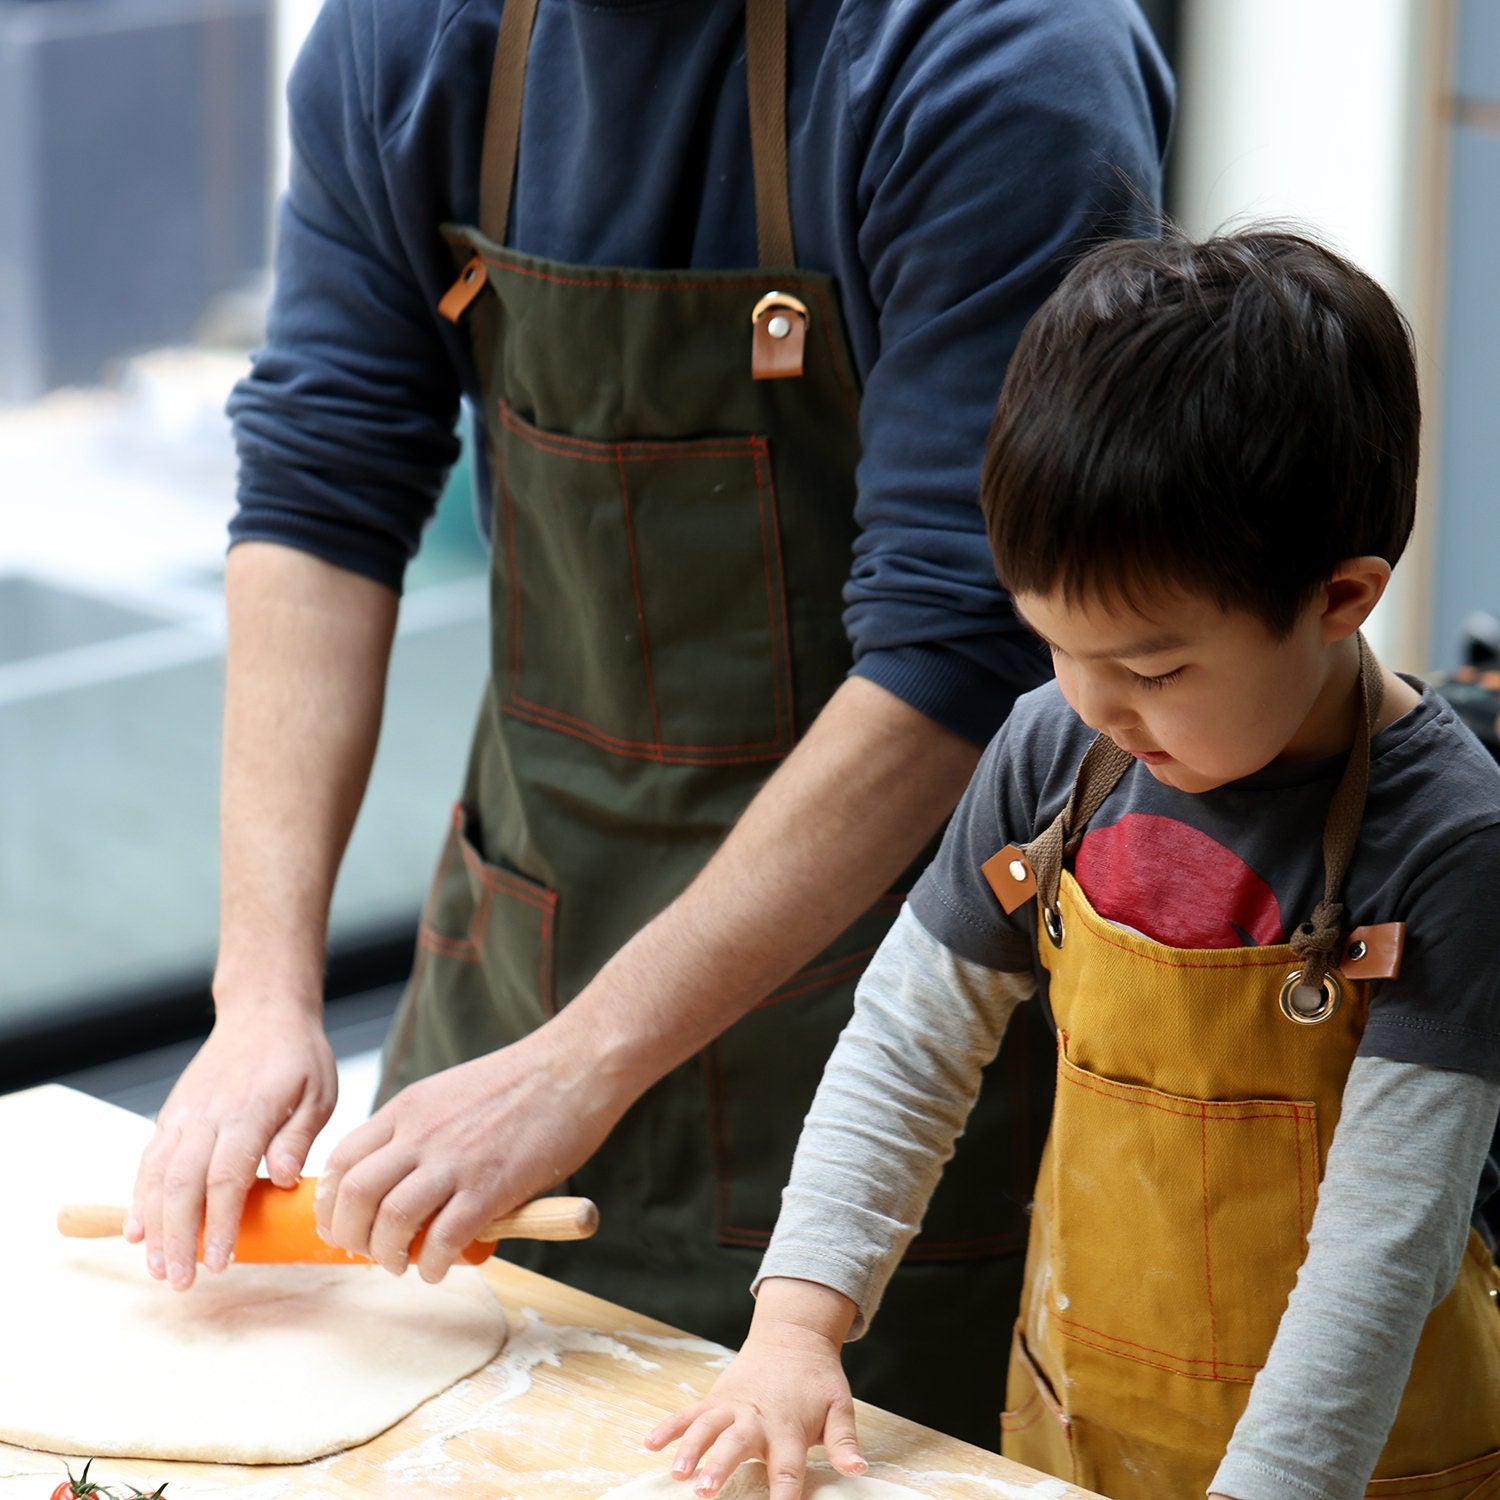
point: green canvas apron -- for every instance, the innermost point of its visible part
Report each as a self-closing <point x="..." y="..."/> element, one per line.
<point x="673" y="458"/>
<point x="1198" y="1093"/>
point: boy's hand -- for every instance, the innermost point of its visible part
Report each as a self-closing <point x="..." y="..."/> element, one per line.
<point x="785" y="1392"/>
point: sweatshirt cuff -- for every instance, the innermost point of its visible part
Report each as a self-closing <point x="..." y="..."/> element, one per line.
<point x="949" y="687"/>
<point x="852" y="1250"/>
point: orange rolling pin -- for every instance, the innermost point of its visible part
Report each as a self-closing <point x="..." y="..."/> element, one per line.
<point x="279" y="1225"/>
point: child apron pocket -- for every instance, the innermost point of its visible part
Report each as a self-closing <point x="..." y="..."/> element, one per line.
<point x="1221" y="1190"/>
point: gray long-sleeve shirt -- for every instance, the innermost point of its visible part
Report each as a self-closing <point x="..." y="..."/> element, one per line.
<point x="1385" y="1245"/>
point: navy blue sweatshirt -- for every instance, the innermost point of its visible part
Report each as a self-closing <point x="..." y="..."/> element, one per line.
<point x="947" y="159"/>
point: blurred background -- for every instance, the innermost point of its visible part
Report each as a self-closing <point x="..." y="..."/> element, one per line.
<point x="142" y="145"/>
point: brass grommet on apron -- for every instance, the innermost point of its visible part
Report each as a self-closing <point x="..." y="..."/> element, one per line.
<point x="1329" y="993"/>
<point x="1053" y="922"/>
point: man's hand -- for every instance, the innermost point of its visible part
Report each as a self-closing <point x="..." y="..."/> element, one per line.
<point x="785" y="1392"/>
<point x="260" y="1089"/>
<point x="455" y="1150"/>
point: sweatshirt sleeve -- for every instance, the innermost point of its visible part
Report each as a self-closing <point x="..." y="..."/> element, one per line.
<point x="1385" y="1247"/>
<point x="999" y="143"/>
<point x="893" y="1100"/>
<point x="345" y="425"/>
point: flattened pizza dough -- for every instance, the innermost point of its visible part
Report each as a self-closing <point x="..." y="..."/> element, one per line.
<point x="264" y="1364"/>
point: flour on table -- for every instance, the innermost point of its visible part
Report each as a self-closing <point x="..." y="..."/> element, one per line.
<point x="749" y="1483"/>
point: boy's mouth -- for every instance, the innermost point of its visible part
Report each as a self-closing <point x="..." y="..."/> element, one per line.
<point x="1148" y="757"/>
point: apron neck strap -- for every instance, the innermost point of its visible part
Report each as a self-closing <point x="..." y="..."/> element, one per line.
<point x="1318" y="940"/>
<point x="765" y="78"/>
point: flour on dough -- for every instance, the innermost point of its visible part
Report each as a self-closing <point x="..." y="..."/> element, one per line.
<point x="749" y="1483"/>
<point x="262" y="1365"/>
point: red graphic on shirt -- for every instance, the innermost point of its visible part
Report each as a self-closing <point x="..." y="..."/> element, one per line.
<point x="1177" y="885"/>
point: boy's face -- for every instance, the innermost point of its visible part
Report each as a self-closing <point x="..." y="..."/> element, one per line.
<point x="1200" y="695"/>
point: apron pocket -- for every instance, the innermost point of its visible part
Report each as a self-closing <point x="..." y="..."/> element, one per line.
<point x="1034" y="1429"/>
<point x="641" y="595"/>
<point x="1480" y="1476"/>
<point x="487" y="939"/>
<point x="1218" y="1196"/>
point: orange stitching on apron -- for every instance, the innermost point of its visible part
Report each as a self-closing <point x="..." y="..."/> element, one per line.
<point x="1208" y="1265"/>
<point x="640" y="608"/>
<point x="1112" y="1338"/>
<point x="781" y="664"/>
<point x="513" y="604"/>
<point x="1264" y="1110"/>
<point x="1487" y="1482"/>
<point x="681" y="755"/>
<point x="833" y="970"/>
<point x="1109" y="1348"/>
<point x="1010" y="1421"/>
<point x="824" y="320"/>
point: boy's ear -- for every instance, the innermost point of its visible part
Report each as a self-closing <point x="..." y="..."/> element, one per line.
<point x="1350" y="594"/>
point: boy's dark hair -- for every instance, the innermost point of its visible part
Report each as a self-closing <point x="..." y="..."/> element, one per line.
<point x="1234" y="418"/>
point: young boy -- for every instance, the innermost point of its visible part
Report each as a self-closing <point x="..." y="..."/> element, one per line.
<point x="1202" y="469"/>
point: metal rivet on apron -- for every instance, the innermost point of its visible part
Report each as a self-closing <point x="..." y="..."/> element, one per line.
<point x="779" y="326"/>
<point x="1017" y="868"/>
<point x="1053" y="922"/>
<point x="1307" y="1006"/>
<point x="1357" y="951"/>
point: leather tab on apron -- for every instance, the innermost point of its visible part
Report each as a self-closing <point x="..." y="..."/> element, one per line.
<point x="1010" y="877"/>
<point x="470" y="283"/>
<point x="779" y="337"/>
<point x="1374" y="952"/>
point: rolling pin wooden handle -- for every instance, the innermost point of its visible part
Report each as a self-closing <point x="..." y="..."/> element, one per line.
<point x="545" y="1219"/>
<point x="90" y="1221"/>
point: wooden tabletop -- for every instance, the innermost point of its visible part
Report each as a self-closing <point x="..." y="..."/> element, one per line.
<point x="559" y="1414"/>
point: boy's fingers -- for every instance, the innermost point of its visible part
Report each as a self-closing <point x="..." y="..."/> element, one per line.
<point x="672" y="1427"/>
<point x="786" y="1468"/>
<point x="841" y="1440"/>
<point x="700" y="1433"/>
<point x="734" y="1446"/>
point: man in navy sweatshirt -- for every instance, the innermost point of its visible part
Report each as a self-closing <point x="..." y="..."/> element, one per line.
<point x="728" y="295"/>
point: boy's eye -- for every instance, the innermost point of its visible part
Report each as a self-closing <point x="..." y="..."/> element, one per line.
<point x="1157" y="682"/>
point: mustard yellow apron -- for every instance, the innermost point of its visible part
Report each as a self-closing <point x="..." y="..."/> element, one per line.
<point x="1197" y="1096"/>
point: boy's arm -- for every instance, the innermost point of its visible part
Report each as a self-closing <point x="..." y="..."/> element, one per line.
<point x="894" y="1097"/>
<point x="1385" y="1247"/>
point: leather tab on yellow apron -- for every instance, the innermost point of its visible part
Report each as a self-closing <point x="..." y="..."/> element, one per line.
<point x="1374" y="952"/>
<point x="779" y="337"/>
<point x="463" y="291"/>
<point x="1010" y="877"/>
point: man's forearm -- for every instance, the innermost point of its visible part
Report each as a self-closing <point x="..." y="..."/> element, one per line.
<point x="309" y="645"/>
<point x="842" y="817"/>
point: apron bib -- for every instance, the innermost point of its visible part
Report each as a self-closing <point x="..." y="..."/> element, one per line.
<point x="673" y="457"/>
<point x="1197" y="1096"/>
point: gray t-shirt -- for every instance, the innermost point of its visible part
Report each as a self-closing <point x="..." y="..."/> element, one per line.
<point x="1243" y="865"/>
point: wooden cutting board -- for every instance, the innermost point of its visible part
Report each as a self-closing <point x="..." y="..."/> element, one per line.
<point x="558" y="1415"/>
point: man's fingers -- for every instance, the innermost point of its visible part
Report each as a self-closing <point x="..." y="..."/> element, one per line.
<point x="841" y="1440"/>
<point x="360" y="1192"/>
<point x="452" y="1231"/>
<point x="286" y="1154"/>
<point x="361" y="1142"/>
<point x="183" y="1193"/>
<point x="231" y="1170"/>
<point x="402" y="1212"/>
